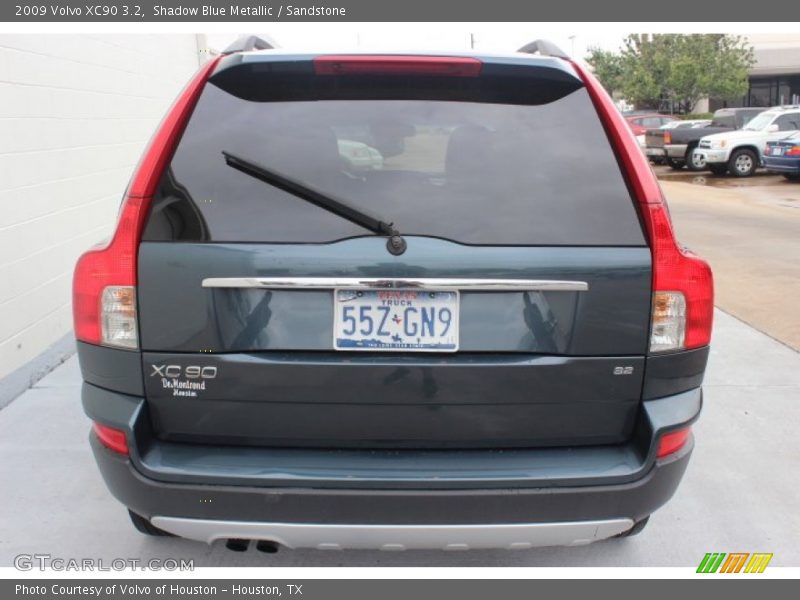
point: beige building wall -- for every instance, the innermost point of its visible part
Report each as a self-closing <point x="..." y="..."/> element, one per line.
<point x="75" y="114"/>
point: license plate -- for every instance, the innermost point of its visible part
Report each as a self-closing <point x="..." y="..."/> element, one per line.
<point x="400" y="319"/>
<point x="777" y="151"/>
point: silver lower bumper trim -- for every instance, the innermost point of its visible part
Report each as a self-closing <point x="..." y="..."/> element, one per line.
<point x="398" y="537"/>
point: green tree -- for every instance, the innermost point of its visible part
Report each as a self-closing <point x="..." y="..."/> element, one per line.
<point x="607" y="68"/>
<point x="678" y="68"/>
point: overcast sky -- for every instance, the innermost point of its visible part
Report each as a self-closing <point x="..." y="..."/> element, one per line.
<point x="490" y="37"/>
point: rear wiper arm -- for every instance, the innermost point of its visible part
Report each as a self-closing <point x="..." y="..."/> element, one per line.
<point x="396" y="244"/>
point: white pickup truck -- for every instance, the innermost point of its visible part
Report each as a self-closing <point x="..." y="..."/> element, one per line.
<point x="740" y="152"/>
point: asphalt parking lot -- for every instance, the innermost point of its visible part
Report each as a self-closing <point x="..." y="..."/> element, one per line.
<point x="749" y="230"/>
<point x="741" y="492"/>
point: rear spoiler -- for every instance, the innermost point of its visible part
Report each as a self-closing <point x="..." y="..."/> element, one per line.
<point x="544" y="48"/>
<point x="247" y="43"/>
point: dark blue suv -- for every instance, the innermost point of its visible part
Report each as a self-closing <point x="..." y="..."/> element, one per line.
<point x="393" y="301"/>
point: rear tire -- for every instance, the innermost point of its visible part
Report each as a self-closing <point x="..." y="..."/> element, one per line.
<point x="636" y="529"/>
<point x="694" y="164"/>
<point x="743" y="163"/>
<point x="677" y="165"/>
<point x="144" y="526"/>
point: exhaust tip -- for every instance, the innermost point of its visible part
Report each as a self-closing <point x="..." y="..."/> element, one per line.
<point x="237" y="545"/>
<point x="267" y="547"/>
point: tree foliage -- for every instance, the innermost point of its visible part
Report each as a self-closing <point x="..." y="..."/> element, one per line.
<point x="607" y="68"/>
<point x="677" y="68"/>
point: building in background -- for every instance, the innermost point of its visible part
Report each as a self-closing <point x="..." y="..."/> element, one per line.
<point x="75" y="114"/>
<point x="774" y="79"/>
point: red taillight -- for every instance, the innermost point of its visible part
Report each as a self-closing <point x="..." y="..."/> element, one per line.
<point x="454" y="66"/>
<point x="667" y="137"/>
<point x="793" y="151"/>
<point x="111" y="318"/>
<point x="676" y="271"/>
<point x="671" y="442"/>
<point x="113" y="439"/>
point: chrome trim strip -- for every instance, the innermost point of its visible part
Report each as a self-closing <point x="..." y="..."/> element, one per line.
<point x="325" y="283"/>
<point x="324" y="536"/>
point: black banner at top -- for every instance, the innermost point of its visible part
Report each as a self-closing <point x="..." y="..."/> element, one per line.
<point x="711" y="11"/>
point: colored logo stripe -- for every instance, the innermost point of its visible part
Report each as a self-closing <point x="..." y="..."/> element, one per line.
<point x="758" y="562"/>
<point x="711" y="562"/>
<point x="734" y="562"/>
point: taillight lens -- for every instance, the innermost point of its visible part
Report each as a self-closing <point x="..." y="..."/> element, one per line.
<point x="793" y="151"/>
<point x="683" y="289"/>
<point x="104" y="281"/>
<point x="668" y="330"/>
<point x="113" y="439"/>
<point x="103" y="292"/>
<point x="677" y="273"/>
<point x="671" y="442"/>
<point x="118" y="310"/>
<point x="667" y="137"/>
<point x="452" y="66"/>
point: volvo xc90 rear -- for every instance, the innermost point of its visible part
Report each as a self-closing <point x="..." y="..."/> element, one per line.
<point x="364" y="301"/>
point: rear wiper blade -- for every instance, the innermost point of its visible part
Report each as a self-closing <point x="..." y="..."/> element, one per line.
<point x="396" y="244"/>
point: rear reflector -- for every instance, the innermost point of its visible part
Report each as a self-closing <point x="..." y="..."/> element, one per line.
<point x="113" y="439"/>
<point x="676" y="271"/>
<point x="671" y="442"/>
<point x="454" y="66"/>
<point x="103" y="285"/>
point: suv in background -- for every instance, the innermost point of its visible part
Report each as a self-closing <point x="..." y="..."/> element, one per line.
<point x="456" y="347"/>
<point x="739" y="153"/>
<point x="677" y="146"/>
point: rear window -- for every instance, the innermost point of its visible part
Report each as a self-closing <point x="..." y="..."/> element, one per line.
<point x="492" y="165"/>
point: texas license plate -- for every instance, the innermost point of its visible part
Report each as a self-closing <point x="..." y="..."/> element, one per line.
<point x="399" y="319"/>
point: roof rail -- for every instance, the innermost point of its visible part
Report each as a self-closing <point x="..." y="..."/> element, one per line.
<point x="247" y="43"/>
<point x="545" y="48"/>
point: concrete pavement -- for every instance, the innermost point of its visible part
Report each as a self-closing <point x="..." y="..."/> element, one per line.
<point x="741" y="492"/>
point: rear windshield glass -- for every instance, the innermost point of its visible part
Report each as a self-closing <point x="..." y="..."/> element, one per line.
<point x="484" y="171"/>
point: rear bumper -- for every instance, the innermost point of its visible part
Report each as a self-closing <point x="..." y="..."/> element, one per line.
<point x="360" y="499"/>
<point x="675" y="150"/>
<point x="782" y="165"/>
<point x="323" y="536"/>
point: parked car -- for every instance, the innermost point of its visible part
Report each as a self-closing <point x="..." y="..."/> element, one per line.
<point x="466" y="346"/>
<point x="739" y="152"/>
<point x="657" y="154"/>
<point x="677" y="145"/>
<point x="639" y="124"/>
<point x="783" y="156"/>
